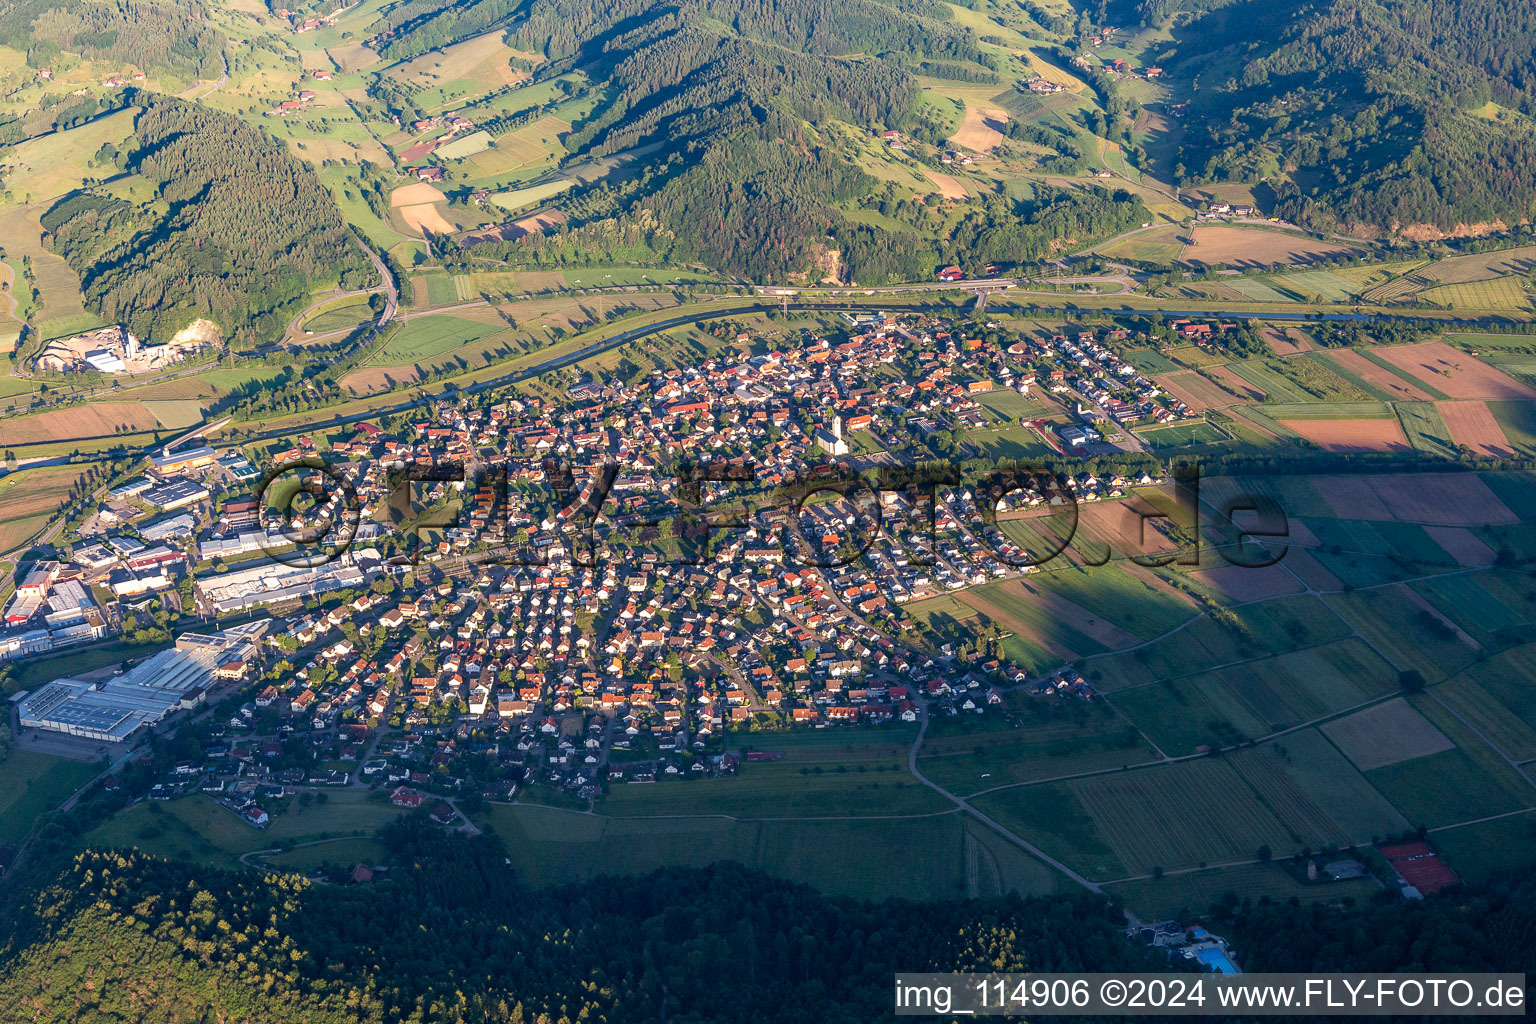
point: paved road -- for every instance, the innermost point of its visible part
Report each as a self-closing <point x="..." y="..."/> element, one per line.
<point x="991" y="823"/>
<point x="295" y="333"/>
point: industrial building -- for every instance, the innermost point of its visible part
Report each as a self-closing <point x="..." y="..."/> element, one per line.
<point x="267" y="583"/>
<point x="175" y="493"/>
<point x="193" y="458"/>
<point x="112" y="710"/>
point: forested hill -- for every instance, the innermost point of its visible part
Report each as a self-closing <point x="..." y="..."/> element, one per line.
<point x="1376" y="113"/>
<point x="452" y="937"/>
<point x="232" y="228"/>
<point x="720" y="85"/>
<point x="156" y="35"/>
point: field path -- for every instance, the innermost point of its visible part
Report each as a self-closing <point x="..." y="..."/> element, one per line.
<point x="963" y="804"/>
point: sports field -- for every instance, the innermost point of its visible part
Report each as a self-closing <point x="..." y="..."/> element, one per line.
<point x="1183" y="435"/>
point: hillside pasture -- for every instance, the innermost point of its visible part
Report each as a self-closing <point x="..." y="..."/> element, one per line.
<point x="461" y="71"/>
<point x="947" y="186"/>
<point x="58" y="284"/>
<point x="49" y="167"/>
<point x="517" y="198"/>
<point x="33" y="784"/>
<point x="1161" y="246"/>
<point x="981" y="131"/>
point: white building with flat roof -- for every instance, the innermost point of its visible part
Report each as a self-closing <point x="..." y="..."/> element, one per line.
<point x="111" y="711"/>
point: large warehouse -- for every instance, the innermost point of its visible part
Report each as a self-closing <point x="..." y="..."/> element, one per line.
<point x="113" y="709"/>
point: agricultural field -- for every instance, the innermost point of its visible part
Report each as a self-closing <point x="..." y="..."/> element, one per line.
<point x="1051" y="743"/>
<point x="1352" y="435"/>
<point x="1178" y="815"/>
<point x="1186" y="894"/>
<point x="551" y="846"/>
<point x="343" y="317"/>
<point x="1500" y="293"/>
<point x="1161" y="246"/>
<point x="428" y="337"/>
<point x="1488" y="280"/>
<point x="517" y="198"/>
<point x="1386" y="734"/>
<point x="1232" y="246"/>
<point x="95" y="419"/>
<point x="46" y="168"/>
<point x="1455" y="373"/>
<point x="1475" y="427"/>
<point x="35" y="491"/>
<point x="1250" y="699"/>
<point x="855" y="783"/>
<point x="198" y="829"/>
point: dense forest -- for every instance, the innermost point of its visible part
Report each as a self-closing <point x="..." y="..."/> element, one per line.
<point x="1490" y="926"/>
<point x="742" y="91"/>
<point x="452" y="936"/>
<point x="234" y="229"/>
<point x="156" y="35"/>
<point x="1376" y="114"/>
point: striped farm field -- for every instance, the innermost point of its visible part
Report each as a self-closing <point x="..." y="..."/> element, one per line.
<point x="520" y="197"/>
<point x="1426" y="428"/>
<point x="35" y="491"/>
<point x="1489" y="716"/>
<point x="1499" y="293"/>
<point x="1180" y="815"/>
<point x="1378" y="377"/>
<point x="1315" y="792"/>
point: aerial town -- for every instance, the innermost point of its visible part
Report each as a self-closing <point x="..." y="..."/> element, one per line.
<point x="579" y="650"/>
